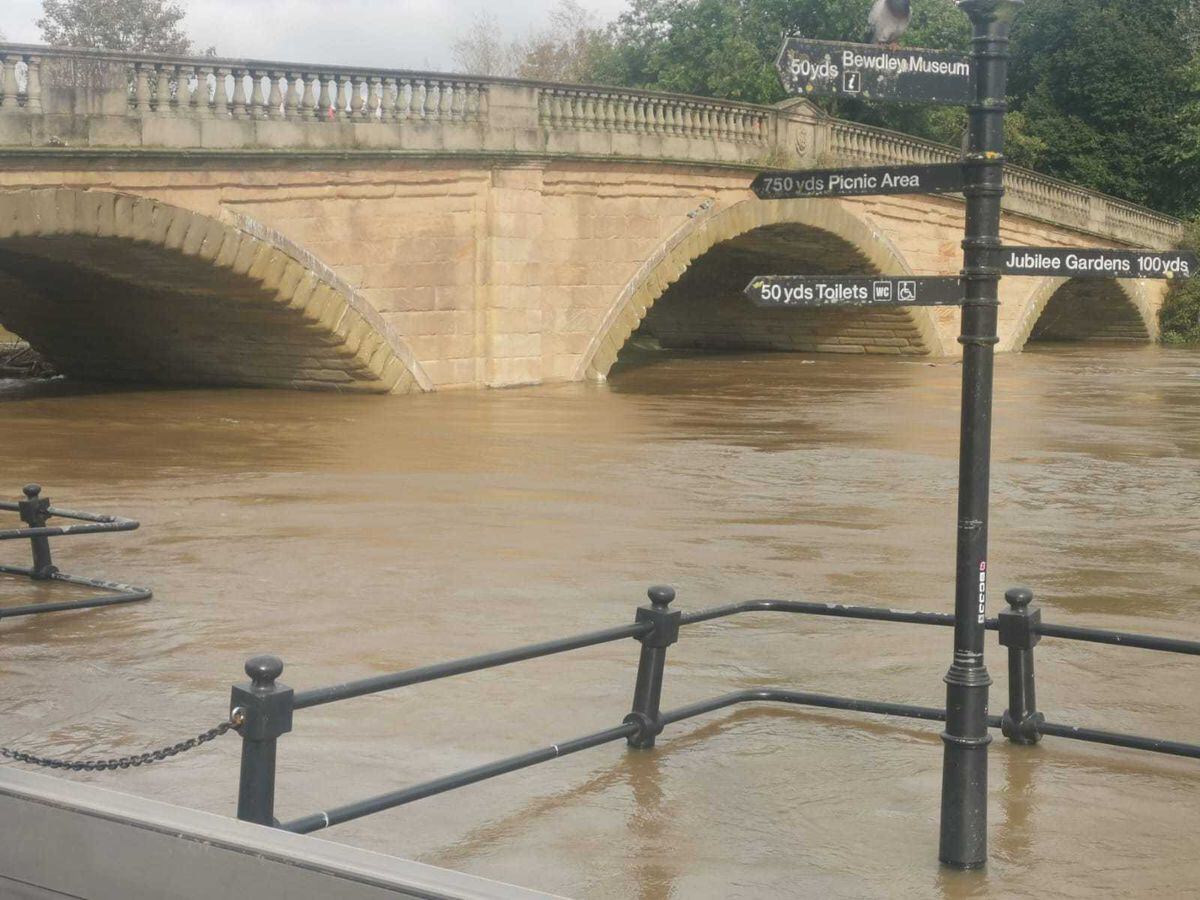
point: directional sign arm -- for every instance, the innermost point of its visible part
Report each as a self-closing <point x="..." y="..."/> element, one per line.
<point x="948" y="178"/>
<point x="836" y="69"/>
<point x="815" y="292"/>
<point x="1066" y="262"/>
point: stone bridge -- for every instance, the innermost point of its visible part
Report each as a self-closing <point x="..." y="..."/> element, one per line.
<point x="219" y="221"/>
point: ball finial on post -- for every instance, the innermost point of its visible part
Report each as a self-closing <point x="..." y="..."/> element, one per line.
<point x="263" y="670"/>
<point x="661" y="595"/>
<point x="1018" y="597"/>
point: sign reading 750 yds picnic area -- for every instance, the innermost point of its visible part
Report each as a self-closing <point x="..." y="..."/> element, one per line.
<point x="832" y="68"/>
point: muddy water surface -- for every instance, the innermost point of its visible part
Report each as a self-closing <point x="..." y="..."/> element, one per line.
<point x="355" y="536"/>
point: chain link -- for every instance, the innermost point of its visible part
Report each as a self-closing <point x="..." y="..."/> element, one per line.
<point x="125" y="762"/>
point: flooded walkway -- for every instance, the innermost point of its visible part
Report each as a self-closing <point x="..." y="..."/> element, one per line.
<point x="358" y="535"/>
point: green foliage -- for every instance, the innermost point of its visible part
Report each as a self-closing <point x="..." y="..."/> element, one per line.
<point x="1105" y="93"/>
<point x="1102" y="85"/>
<point x="1180" y="314"/>
<point x="149" y="26"/>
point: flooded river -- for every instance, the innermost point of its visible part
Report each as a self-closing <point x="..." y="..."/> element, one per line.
<point x="355" y="535"/>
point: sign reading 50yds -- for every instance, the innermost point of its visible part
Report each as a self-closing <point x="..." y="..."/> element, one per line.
<point x="1098" y="263"/>
<point x="863" y="70"/>
<point x="800" y="290"/>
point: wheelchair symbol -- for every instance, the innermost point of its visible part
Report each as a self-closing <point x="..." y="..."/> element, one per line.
<point x="908" y="291"/>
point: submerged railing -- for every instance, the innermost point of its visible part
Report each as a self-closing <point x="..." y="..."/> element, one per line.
<point x="36" y="512"/>
<point x="264" y="709"/>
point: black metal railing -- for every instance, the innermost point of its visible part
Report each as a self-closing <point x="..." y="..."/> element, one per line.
<point x="36" y="512"/>
<point x="264" y="708"/>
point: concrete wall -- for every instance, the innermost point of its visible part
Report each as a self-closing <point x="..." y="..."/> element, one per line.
<point x="63" y="839"/>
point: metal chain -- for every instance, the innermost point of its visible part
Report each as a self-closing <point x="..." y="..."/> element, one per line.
<point x="125" y="762"/>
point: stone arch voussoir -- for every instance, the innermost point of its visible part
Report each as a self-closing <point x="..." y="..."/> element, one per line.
<point x="705" y="232"/>
<point x="352" y="347"/>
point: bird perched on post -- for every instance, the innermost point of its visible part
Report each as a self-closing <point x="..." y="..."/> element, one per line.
<point x="888" y="20"/>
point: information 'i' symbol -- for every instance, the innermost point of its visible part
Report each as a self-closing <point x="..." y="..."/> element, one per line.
<point x="852" y="82"/>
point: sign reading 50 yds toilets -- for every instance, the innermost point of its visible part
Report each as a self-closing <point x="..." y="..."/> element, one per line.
<point x="832" y="68"/>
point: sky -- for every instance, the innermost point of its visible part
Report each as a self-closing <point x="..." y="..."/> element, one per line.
<point x="400" y="34"/>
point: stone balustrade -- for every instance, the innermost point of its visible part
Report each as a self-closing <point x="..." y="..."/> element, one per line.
<point x="594" y="109"/>
<point x="85" y="99"/>
<point x="1026" y="192"/>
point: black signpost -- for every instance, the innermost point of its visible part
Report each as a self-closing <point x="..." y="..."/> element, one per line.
<point x="835" y="69"/>
<point x="776" y="291"/>
<point x="925" y="76"/>
<point x="949" y="178"/>
<point x="979" y="83"/>
<point x="1071" y="263"/>
<point x="963" y="841"/>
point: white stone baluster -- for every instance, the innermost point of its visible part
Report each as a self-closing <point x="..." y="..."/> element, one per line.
<point x="184" y="96"/>
<point x="162" y="90"/>
<point x="447" y="101"/>
<point x="277" y="98"/>
<point x="310" y="103"/>
<point x="256" y="96"/>
<point x="609" y="114"/>
<point x="461" y="99"/>
<point x="406" y="95"/>
<point x="389" y="100"/>
<point x="433" y="99"/>
<point x="474" y="102"/>
<point x="141" y="88"/>
<point x="221" y="94"/>
<point x="239" y="110"/>
<point x="33" y="84"/>
<point x="358" y="105"/>
<point x="324" y="109"/>
<point x="296" y="87"/>
<point x="375" y="99"/>
<point x="421" y="101"/>
<point x="344" y="86"/>
<point x="199" y="103"/>
<point x="8" y="82"/>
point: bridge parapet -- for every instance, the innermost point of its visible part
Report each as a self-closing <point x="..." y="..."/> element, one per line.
<point x="55" y="101"/>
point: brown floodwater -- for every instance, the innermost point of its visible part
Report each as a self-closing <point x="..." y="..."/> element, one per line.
<point x="358" y="535"/>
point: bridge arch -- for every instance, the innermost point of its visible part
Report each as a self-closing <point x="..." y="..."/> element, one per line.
<point x="116" y="287"/>
<point x="760" y="231"/>
<point x="1077" y="309"/>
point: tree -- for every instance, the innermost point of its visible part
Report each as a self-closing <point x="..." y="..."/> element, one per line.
<point x="484" y="51"/>
<point x="569" y="49"/>
<point x="728" y="48"/>
<point x="147" y="26"/>
<point x="1103" y="87"/>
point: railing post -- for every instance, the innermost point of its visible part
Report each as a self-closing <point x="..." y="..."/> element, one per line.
<point x="1018" y="632"/>
<point x="263" y="711"/>
<point x="35" y="514"/>
<point x="647" y="693"/>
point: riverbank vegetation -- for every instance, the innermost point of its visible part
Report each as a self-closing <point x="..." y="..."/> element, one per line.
<point x="1180" y="314"/>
